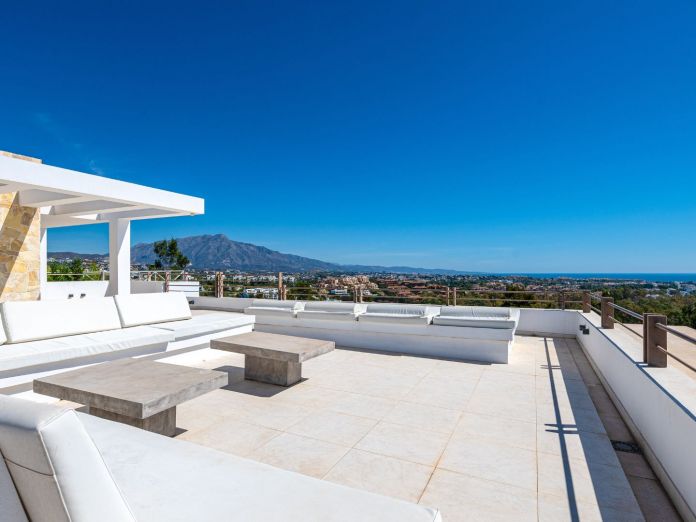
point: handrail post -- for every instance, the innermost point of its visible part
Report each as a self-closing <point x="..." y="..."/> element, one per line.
<point x="655" y="337"/>
<point x="355" y="293"/>
<point x="167" y="280"/>
<point x="586" y="303"/>
<point x="280" y="286"/>
<point x="448" y="296"/>
<point x="561" y="300"/>
<point x="607" y="319"/>
<point x="454" y="299"/>
<point x="219" y="284"/>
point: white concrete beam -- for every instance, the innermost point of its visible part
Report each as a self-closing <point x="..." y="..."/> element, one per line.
<point x="119" y="257"/>
<point x="46" y="198"/>
<point x="99" y="206"/>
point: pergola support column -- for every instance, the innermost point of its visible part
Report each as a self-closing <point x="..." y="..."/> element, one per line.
<point x="119" y="257"/>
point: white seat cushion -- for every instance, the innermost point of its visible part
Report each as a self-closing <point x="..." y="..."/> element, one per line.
<point x="33" y="320"/>
<point x="473" y="322"/>
<point x="139" y="309"/>
<point x="171" y="480"/>
<point x="55" y="467"/>
<point x="46" y="351"/>
<point x="205" y="324"/>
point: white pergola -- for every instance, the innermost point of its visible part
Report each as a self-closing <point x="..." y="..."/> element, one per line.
<point x="69" y="198"/>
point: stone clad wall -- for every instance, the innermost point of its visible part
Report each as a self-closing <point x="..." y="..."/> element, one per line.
<point x="20" y="252"/>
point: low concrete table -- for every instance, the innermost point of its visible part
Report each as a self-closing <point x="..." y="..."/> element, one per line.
<point x="272" y="358"/>
<point x="138" y="392"/>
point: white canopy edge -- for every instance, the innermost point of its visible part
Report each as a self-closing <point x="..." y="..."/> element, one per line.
<point x="67" y="197"/>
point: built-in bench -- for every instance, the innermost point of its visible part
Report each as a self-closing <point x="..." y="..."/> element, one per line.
<point x="44" y="336"/>
<point x="58" y="464"/>
<point x="460" y="332"/>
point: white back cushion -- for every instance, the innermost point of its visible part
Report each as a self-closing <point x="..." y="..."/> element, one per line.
<point x="34" y="320"/>
<point x="57" y="470"/>
<point x="137" y="309"/>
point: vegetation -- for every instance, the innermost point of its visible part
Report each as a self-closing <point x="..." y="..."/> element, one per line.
<point x="169" y="257"/>
<point x="73" y="270"/>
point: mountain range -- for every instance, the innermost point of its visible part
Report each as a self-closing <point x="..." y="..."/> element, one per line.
<point x="218" y="252"/>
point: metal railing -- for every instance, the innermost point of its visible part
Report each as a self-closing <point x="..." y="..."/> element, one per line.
<point x="655" y="330"/>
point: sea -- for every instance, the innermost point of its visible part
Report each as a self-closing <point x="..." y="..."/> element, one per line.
<point x="655" y="278"/>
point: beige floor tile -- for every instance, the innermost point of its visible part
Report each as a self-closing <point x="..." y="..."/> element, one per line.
<point x="332" y="426"/>
<point x="232" y="436"/>
<point x="581" y="419"/>
<point x="482" y="458"/>
<point x="310" y="396"/>
<point x="512" y="432"/>
<point x="575" y="480"/>
<point x="441" y="392"/>
<point x="636" y="465"/>
<point x="404" y="442"/>
<point x="363" y="405"/>
<point x="553" y="508"/>
<point x="505" y="407"/>
<point x="582" y="445"/>
<point x="379" y="474"/>
<point x="466" y="499"/>
<point x="301" y="454"/>
<point x="424" y="416"/>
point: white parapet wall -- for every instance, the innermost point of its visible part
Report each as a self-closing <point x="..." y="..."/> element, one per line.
<point x="658" y="405"/>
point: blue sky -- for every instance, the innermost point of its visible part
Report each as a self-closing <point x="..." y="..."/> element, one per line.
<point x="491" y="136"/>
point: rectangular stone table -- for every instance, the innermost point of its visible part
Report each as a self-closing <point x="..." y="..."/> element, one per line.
<point x="272" y="358"/>
<point x="138" y="392"/>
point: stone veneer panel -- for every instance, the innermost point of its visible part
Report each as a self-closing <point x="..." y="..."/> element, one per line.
<point x="20" y="252"/>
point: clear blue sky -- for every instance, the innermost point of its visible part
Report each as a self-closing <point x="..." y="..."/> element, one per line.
<point x="493" y="136"/>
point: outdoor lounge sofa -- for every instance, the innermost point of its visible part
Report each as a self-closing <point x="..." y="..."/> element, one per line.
<point x="61" y="465"/>
<point x="41" y="336"/>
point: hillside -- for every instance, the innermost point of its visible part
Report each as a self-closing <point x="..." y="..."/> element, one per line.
<point x="218" y="252"/>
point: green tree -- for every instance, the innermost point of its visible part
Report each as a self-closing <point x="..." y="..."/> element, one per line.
<point x="169" y="256"/>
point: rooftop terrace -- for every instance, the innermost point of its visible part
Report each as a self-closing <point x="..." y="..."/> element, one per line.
<point x="530" y="440"/>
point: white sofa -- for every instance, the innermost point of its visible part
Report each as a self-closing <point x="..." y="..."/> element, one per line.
<point x="398" y="314"/>
<point x="478" y="317"/>
<point x="330" y="311"/>
<point x="44" y="336"/>
<point x="60" y="465"/>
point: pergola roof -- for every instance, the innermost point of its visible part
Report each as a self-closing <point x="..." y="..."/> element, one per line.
<point x="68" y="198"/>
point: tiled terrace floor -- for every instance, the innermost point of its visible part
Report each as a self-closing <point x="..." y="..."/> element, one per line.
<point x="521" y="441"/>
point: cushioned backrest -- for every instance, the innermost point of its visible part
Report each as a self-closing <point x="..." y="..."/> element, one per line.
<point x="396" y="309"/>
<point x="56" y="468"/>
<point x="327" y="306"/>
<point x="34" y="320"/>
<point x="277" y="303"/>
<point x="137" y="309"/>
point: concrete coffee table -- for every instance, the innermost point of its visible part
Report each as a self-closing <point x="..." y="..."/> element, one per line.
<point x="271" y="358"/>
<point x="138" y="392"/>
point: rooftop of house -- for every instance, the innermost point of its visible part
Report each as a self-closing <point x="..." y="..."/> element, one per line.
<point x="528" y="440"/>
